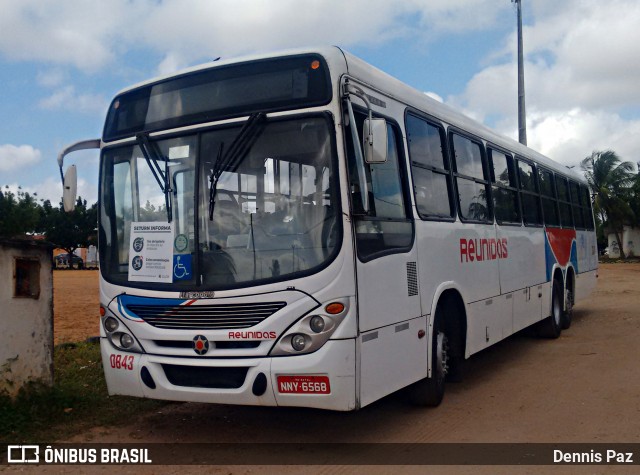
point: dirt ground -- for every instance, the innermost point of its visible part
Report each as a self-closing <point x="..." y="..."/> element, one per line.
<point x="583" y="387"/>
<point x="76" y="303"/>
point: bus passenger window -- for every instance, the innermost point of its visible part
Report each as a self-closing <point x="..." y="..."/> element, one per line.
<point x="564" y="202"/>
<point x="531" y="213"/>
<point x="505" y="192"/>
<point x="576" y="201"/>
<point x="471" y="182"/>
<point x="430" y="170"/>
<point x="586" y="210"/>
<point x="548" y="196"/>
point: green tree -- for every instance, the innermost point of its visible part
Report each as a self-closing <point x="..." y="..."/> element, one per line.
<point x="611" y="180"/>
<point x="151" y="213"/>
<point x="70" y="231"/>
<point x="19" y="213"/>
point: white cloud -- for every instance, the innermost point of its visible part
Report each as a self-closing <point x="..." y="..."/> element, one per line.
<point x="200" y="31"/>
<point x="570" y="136"/>
<point x="581" y="71"/>
<point x="91" y="34"/>
<point x="80" y="33"/>
<point x="67" y="98"/>
<point x="14" y="157"/>
<point x="458" y="16"/>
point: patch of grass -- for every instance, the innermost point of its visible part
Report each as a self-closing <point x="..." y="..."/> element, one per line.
<point x="77" y="401"/>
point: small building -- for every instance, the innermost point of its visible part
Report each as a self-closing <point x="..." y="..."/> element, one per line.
<point x="26" y="314"/>
<point x="631" y="242"/>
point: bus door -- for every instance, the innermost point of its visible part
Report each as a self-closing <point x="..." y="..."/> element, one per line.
<point x="391" y="354"/>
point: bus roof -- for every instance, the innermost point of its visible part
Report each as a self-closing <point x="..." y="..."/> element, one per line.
<point x="340" y="62"/>
<point x="416" y="99"/>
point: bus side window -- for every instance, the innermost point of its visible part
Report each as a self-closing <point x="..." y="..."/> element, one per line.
<point x="586" y="210"/>
<point x="430" y="169"/>
<point x="548" y="196"/>
<point x="472" y="184"/>
<point x="564" y="202"/>
<point x="505" y="191"/>
<point x="529" y="196"/>
<point x="576" y="201"/>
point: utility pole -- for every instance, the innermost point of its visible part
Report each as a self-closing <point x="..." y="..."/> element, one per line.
<point x="522" y="115"/>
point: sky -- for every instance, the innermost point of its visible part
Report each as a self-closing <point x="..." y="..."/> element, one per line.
<point x="62" y="61"/>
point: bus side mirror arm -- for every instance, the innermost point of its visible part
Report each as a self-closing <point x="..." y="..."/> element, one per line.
<point x="70" y="179"/>
<point x="364" y="190"/>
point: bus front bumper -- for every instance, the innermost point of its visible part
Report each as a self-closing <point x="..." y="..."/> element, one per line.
<point x="325" y="379"/>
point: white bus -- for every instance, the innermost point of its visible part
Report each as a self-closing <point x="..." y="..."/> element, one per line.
<point x="302" y="229"/>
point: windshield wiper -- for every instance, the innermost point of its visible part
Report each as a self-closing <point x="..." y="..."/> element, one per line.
<point x="152" y="155"/>
<point x="245" y="139"/>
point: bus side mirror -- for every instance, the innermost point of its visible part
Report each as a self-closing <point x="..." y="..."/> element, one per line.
<point x="375" y="140"/>
<point x="69" y="189"/>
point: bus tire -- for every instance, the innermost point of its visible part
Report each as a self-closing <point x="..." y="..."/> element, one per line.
<point x="551" y="326"/>
<point x="455" y="344"/>
<point x="567" y="314"/>
<point x="430" y="391"/>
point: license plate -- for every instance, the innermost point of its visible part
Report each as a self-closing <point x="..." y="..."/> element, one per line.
<point x="304" y="385"/>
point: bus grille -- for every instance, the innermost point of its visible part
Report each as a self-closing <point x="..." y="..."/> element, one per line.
<point x="205" y="317"/>
<point x="205" y="377"/>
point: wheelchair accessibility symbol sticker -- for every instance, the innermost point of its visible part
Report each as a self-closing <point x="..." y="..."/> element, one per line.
<point x="182" y="267"/>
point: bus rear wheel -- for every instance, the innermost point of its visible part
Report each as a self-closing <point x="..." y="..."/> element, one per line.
<point x="567" y="314"/>
<point x="430" y="391"/>
<point x="551" y="326"/>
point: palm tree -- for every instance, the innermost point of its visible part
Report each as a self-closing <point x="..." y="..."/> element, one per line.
<point x="610" y="180"/>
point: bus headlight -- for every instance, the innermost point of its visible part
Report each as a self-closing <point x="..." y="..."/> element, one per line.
<point x="119" y="335"/>
<point x="110" y="324"/>
<point x="313" y="330"/>
<point x="298" y="342"/>
<point x="317" y="324"/>
<point x="126" y="340"/>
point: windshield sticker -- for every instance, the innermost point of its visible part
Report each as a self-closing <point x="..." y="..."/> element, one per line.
<point x="181" y="242"/>
<point x="151" y="251"/>
<point x="182" y="267"/>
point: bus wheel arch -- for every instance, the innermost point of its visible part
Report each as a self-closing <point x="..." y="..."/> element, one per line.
<point x="447" y="349"/>
<point x="429" y="391"/>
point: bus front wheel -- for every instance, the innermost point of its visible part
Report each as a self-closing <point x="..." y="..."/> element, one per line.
<point x="430" y="391"/>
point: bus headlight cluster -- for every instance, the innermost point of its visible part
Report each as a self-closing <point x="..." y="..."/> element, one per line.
<point x="119" y="335"/>
<point x="313" y="330"/>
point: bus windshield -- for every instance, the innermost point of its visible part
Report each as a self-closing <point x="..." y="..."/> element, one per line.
<point x="275" y="212"/>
